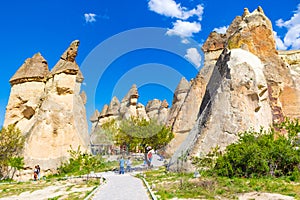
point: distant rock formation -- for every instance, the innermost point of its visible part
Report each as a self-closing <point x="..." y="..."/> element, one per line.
<point x="249" y="85"/>
<point x="47" y="108"/>
<point x="130" y="107"/>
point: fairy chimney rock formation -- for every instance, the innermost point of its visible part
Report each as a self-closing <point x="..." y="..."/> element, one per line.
<point x="249" y="86"/>
<point x="141" y="111"/>
<point x="48" y="109"/>
<point x="129" y="102"/>
<point x="34" y="69"/>
<point x="178" y="99"/>
<point x="113" y="108"/>
<point x="130" y="107"/>
<point x="27" y="88"/>
<point x="95" y="116"/>
<point x="158" y="110"/>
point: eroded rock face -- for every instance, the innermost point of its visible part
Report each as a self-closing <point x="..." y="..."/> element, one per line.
<point x="48" y="109"/>
<point x="250" y="85"/>
<point x="27" y="92"/>
<point x="290" y="96"/>
<point x="235" y="100"/>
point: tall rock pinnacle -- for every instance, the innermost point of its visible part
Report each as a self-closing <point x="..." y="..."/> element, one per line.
<point x="67" y="63"/>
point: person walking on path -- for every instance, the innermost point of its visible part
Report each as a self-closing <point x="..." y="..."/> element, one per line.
<point x="149" y="155"/>
<point x="38" y="171"/>
<point x="122" y="164"/>
<point x="128" y="165"/>
<point x="35" y="173"/>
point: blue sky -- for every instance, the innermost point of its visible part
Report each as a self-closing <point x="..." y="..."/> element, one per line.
<point x="115" y="36"/>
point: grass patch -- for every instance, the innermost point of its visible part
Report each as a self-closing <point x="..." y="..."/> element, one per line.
<point x="72" y="188"/>
<point x="15" y="188"/>
<point x="183" y="185"/>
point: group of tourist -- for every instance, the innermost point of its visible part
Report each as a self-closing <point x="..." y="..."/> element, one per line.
<point x="36" y="172"/>
<point x="122" y="164"/>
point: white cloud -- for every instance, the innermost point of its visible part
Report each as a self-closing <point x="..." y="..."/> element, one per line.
<point x="172" y="9"/>
<point x="90" y="17"/>
<point x="185" y="41"/>
<point x="222" y="29"/>
<point x="279" y="43"/>
<point x="292" y="37"/>
<point x="184" y="28"/>
<point x="193" y="56"/>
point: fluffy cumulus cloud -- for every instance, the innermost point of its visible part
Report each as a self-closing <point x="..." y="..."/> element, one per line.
<point x="90" y="17"/>
<point x="170" y="8"/>
<point x="222" y="29"/>
<point x="193" y="56"/>
<point x="184" y="28"/>
<point x="291" y="39"/>
<point x="279" y="43"/>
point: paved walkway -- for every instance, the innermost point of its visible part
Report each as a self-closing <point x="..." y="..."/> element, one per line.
<point x="125" y="187"/>
<point x="121" y="187"/>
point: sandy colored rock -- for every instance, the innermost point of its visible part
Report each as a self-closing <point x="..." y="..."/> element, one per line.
<point x="83" y="97"/>
<point x="235" y="100"/>
<point x="178" y="99"/>
<point x="129" y="102"/>
<point x="34" y="69"/>
<point x="51" y="112"/>
<point x="141" y="111"/>
<point x="152" y="108"/>
<point x="114" y="107"/>
<point x="67" y="63"/>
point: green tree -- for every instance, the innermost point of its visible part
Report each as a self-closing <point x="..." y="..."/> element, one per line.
<point x="135" y="132"/>
<point x="141" y="133"/>
<point x="11" y="147"/>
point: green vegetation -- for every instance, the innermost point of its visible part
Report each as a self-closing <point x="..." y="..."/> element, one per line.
<point x="140" y="133"/>
<point x="264" y="153"/>
<point x="81" y="163"/>
<point x="11" y="145"/>
<point x="74" y="189"/>
<point x="168" y="185"/>
<point x="265" y="161"/>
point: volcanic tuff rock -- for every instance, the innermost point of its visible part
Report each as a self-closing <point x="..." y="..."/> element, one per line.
<point x="48" y="109"/>
<point x="129" y="107"/>
<point x="250" y="85"/>
<point x="157" y="109"/>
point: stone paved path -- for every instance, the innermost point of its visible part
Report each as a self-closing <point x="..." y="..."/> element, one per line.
<point x="121" y="187"/>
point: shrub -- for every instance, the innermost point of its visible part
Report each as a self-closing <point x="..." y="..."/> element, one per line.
<point x="262" y="153"/>
<point x="81" y="163"/>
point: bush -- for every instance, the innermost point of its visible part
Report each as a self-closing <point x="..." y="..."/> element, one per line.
<point x="263" y="153"/>
<point x="11" y="146"/>
<point x="81" y="163"/>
